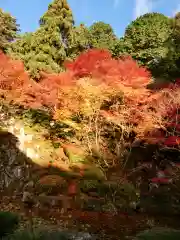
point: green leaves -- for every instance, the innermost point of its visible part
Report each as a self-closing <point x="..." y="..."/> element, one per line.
<point x="102" y="36"/>
<point x="149" y="40"/>
<point x="8" y="222"/>
<point x="8" y="29"/>
<point x="159" y="234"/>
<point x="45" y="49"/>
<point x="148" y="36"/>
<point x="79" y="41"/>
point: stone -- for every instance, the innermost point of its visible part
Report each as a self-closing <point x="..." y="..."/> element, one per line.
<point x="29" y="186"/>
<point x="18" y="172"/>
<point x="27" y="198"/>
<point x="81" y="236"/>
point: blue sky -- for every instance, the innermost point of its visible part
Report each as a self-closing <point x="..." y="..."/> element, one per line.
<point x="118" y="13"/>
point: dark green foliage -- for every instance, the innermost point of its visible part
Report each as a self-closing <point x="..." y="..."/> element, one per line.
<point x="176" y="29"/>
<point x="121" y="47"/>
<point x="38" y="235"/>
<point x="148" y="40"/>
<point x="169" y="66"/>
<point x="38" y="116"/>
<point x="173" y="58"/>
<point x="159" y="234"/>
<point x="108" y="189"/>
<point x="79" y="41"/>
<point x="8" y="223"/>
<point x="102" y="36"/>
<point x="8" y="29"/>
<point x="45" y="49"/>
<point x="148" y="35"/>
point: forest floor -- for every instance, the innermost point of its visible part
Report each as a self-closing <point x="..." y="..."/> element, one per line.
<point x="98" y="224"/>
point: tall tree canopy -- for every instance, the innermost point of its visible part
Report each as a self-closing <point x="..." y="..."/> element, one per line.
<point x="102" y="36"/>
<point x="173" y="58"/>
<point x="169" y="65"/>
<point x="146" y="38"/>
<point x="8" y="29"/>
<point x="79" y="41"/>
<point x="176" y="29"/>
<point x="45" y="49"/>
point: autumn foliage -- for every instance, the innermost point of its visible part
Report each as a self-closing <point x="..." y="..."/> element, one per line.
<point x="17" y="86"/>
<point x="99" y="64"/>
<point x="95" y="96"/>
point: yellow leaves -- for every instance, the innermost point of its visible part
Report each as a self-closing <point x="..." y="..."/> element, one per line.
<point x="85" y="99"/>
<point x="72" y="125"/>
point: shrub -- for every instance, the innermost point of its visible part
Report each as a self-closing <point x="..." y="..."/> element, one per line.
<point x="38" y="235"/>
<point x="158" y="234"/>
<point x="9" y="222"/>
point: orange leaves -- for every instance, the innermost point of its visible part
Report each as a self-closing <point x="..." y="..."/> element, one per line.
<point x="93" y="80"/>
<point x="110" y="76"/>
<point x="87" y="62"/>
<point x="12" y="75"/>
<point x="124" y="71"/>
<point x="99" y="64"/>
<point x="55" y="81"/>
<point x="16" y="85"/>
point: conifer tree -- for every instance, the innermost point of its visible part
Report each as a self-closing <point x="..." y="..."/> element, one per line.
<point x="45" y="49"/>
<point x="8" y="29"/>
<point x="102" y="35"/>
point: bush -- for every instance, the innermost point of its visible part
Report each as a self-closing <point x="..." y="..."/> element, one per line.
<point x="159" y="234"/>
<point x="38" y="235"/>
<point x="8" y="222"/>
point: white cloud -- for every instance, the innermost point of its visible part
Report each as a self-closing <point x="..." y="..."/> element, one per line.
<point x="142" y="7"/>
<point x="115" y="3"/>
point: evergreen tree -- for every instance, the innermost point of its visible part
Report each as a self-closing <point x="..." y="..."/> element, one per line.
<point x="102" y="36"/>
<point x="176" y="29"/>
<point x="8" y="29"/>
<point x="173" y="57"/>
<point x="45" y="49"/>
<point x="147" y="38"/>
<point x="79" y="41"/>
<point x="169" y="66"/>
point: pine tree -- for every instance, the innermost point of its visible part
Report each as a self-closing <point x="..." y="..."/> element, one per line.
<point x="59" y="14"/>
<point x="45" y="49"/>
<point x="8" y="29"/>
<point x="79" y="41"/>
